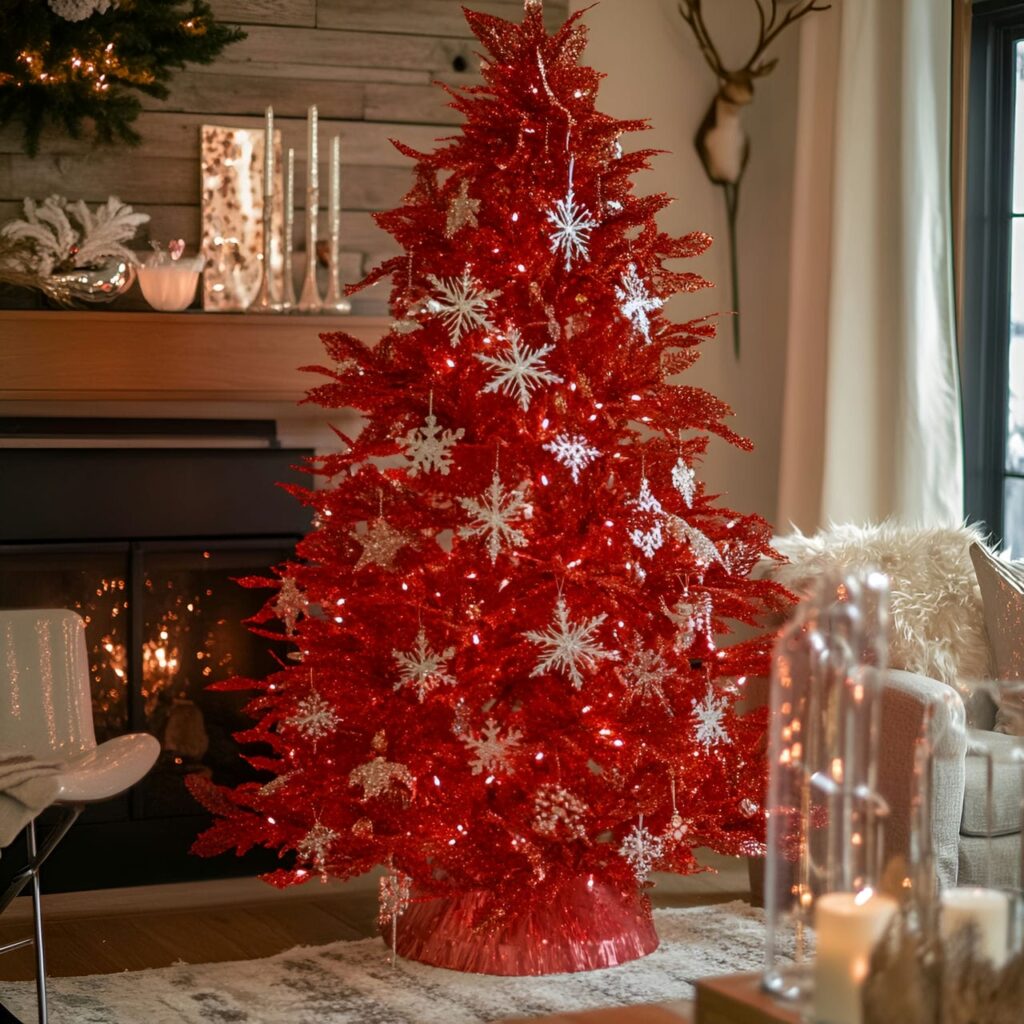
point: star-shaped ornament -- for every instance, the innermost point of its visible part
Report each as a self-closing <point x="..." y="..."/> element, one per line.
<point x="381" y="543"/>
<point x="461" y="211"/>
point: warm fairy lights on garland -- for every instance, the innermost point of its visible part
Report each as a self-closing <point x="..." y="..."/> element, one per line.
<point x="67" y="71"/>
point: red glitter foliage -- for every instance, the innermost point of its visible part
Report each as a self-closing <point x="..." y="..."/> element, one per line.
<point x="442" y="718"/>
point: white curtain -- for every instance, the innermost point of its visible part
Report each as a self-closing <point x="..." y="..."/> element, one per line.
<point x="871" y="421"/>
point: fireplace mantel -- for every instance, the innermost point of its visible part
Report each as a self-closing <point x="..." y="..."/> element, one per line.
<point x="100" y="356"/>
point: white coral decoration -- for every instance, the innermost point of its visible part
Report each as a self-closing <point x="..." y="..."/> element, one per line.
<point x="635" y="302"/>
<point x="569" y="647"/>
<point x="79" y="10"/>
<point x="59" y="245"/>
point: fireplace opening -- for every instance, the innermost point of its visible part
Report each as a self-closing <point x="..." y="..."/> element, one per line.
<point x="146" y="544"/>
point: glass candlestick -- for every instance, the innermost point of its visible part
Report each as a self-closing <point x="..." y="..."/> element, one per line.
<point x="335" y="301"/>
<point x="288" y="301"/>
<point x="309" y="300"/>
<point x="264" y="300"/>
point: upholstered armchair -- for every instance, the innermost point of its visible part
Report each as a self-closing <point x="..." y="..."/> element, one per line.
<point x="938" y="645"/>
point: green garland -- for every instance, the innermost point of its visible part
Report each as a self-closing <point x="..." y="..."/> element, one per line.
<point x="66" y="72"/>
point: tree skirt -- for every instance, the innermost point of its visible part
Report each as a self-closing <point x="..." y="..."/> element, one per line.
<point x="354" y="983"/>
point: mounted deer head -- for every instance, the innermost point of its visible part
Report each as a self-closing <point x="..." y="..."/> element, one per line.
<point x="722" y="144"/>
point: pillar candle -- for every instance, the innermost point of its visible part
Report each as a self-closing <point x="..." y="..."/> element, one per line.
<point x="847" y="928"/>
<point x="988" y="910"/>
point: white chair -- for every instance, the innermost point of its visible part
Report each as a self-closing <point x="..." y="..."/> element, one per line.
<point x="46" y="712"/>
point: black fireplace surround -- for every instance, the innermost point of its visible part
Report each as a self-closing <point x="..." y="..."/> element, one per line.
<point x="143" y="527"/>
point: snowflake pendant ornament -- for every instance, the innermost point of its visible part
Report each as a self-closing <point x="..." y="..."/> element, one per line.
<point x="491" y="752"/>
<point x="461" y="305"/>
<point x="381" y="544"/>
<point x="462" y="211"/>
<point x="708" y="729"/>
<point x="314" y="717"/>
<point x="289" y="604"/>
<point x="572" y="226"/>
<point x="314" y="846"/>
<point x="558" y="813"/>
<point x="636" y="303"/>
<point x="493" y="514"/>
<point x="684" y="481"/>
<point x="644" y="675"/>
<point x="422" y="668"/>
<point x="568" y="648"/>
<point x="650" y="537"/>
<point x="520" y="369"/>
<point x="429" y="448"/>
<point x="573" y="452"/>
<point x="641" y="850"/>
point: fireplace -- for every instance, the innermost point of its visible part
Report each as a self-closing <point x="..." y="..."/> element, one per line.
<point x="145" y="543"/>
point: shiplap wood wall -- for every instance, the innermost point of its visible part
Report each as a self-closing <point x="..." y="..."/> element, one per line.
<point x="367" y="64"/>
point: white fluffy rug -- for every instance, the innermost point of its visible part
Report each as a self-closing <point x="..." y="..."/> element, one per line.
<point x="353" y="983"/>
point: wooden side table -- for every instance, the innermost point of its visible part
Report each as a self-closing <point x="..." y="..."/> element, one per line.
<point x="739" y="999"/>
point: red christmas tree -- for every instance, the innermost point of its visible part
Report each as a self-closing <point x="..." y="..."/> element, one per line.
<point x="507" y="683"/>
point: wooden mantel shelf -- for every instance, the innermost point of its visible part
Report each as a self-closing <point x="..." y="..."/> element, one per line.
<point x="97" y="355"/>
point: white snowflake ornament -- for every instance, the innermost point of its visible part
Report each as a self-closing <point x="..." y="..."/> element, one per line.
<point x="648" y="539"/>
<point x="429" y="448"/>
<point x="708" y="716"/>
<point x="314" y="717"/>
<point x="635" y="303"/>
<point x="684" y="480"/>
<point x="494" y="514"/>
<point x="492" y="752"/>
<point x="572" y="451"/>
<point x="644" y="675"/>
<point x="572" y="226"/>
<point x="520" y="370"/>
<point x="461" y="305"/>
<point x="641" y="850"/>
<point x="422" y="668"/>
<point x="569" y="648"/>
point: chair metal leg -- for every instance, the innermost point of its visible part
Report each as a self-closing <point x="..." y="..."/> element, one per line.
<point x="37" y="921"/>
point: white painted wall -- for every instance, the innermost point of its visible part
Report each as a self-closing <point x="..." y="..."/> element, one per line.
<point x="655" y="70"/>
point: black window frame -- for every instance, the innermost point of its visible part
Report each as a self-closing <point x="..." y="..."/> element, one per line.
<point x="996" y="27"/>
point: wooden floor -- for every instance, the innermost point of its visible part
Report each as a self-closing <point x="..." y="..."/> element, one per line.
<point x="242" y="919"/>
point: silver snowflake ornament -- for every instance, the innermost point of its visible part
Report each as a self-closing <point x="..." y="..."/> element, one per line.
<point x="491" y="752"/>
<point x="558" y="813"/>
<point x="708" y="716"/>
<point x="648" y="539"/>
<point x="520" y="370"/>
<point x="684" y="480"/>
<point x="314" y="717"/>
<point x="641" y="850"/>
<point x="493" y="516"/>
<point x="314" y="846"/>
<point x="644" y="675"/>
<point x="574" y="452"/>
<point x="376" y="777"/>
<point x="422" y="668"/>
<point x="572" y="226"/>
<point x="570" y="648"/>
<point x="461" y="305"/>
<point x="429" y="448"/>
<point x="635" y="302"/>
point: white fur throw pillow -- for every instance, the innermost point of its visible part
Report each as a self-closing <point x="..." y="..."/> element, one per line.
<point x="936" y="615"/>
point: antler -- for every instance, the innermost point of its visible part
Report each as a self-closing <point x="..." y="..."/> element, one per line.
<point x="771" y="24"/>
<point x="694" y="17"/>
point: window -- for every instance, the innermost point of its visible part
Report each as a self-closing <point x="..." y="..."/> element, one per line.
<point x="993" y="342"/>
